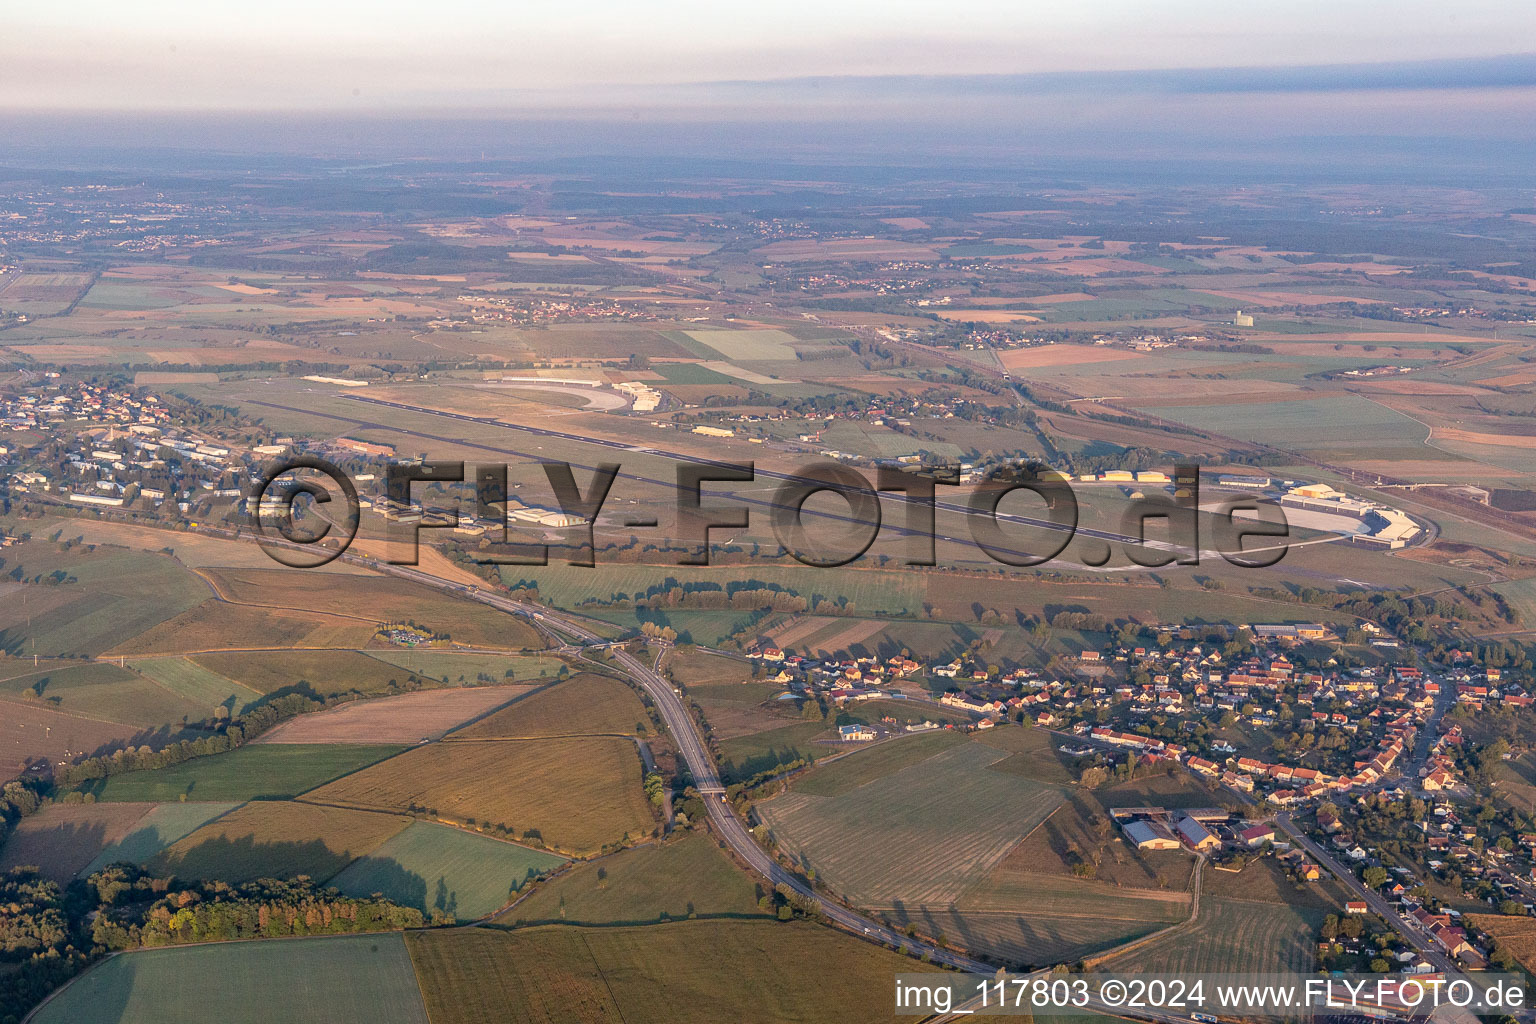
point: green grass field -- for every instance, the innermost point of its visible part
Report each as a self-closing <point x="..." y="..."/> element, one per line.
<point x="269" y="771"/>
<point x="109" y="597"/>
<point x="1323" y="423"/>
<point x="322" y="672"/>
<point x="435" y="867"/>
<point x="349" y="979"/>
<point x="744" y="756"/>
<point x="278" y="839"/>
<point x="689" y="972"/>
<point x="105" y="691"/>
<point x="197" y="684"/>
<point x="643" y="885"/>
<point x="920" y="835"/>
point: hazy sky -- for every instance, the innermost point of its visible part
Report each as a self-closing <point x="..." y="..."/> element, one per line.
<point x="388" y="54"/>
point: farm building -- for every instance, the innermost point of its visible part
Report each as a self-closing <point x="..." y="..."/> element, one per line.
<point x="1150" y="835"/>
<point x="1258" y="835"/>
<point x="855" y="733"/>
<point x="1196" y="836"/>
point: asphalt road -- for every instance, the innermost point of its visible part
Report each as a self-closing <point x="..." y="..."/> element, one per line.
<point x="1410" y="930"/>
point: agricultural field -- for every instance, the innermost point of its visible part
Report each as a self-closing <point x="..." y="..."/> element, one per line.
<point x="861" y="767"/>
<point x="689" y="972"/>
<point x="98" y="602"/>
<point x="197" y="684"/>
<point x="1516" y="934"/>
<point x="468" y="669"/>
<point x="403" y="718"/>
<point x="1033" y="754"/>
<point x="30" y="730"/>
<point x="1233" y="936"/>
<point x="343" y="979"/>
<point x="748" y="346"/>
<point x="324" y="673"/>
<point x="643" y="885"/>
<point x="110" y="693"/>
<point x="215" y="626"/>
<point x="742" y="707"/>
<point x="571" y="795"/>
<point x="586" y="704"/>
<point x="938" y="825"/>
<point x="277" y="839"/>
<point x="1021" y="939"/>
<point x="271" y="771"/>
<point x="374" y="600"/>
<point x="163" y="825"/>
<point x="1263" y="880"/>
<point x="435" y="868"/>
<point x="42" y="294"/>
<point x="61" y="839"/>
<point x="744" y="756"/>
<point x="1080" y="832"/>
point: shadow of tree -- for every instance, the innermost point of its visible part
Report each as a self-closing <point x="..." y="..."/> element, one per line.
<point x="245" y="859"/>
<point x="58" y="852"/>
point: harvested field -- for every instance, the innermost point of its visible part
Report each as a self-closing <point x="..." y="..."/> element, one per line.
<point x="32" y="731"/>
<point x="572" y="795"/>
<point x="846" y="637"/>
<point x="190" y="549"/>
<point x="163" y="825"/>
<point x="1232" y="936"/>
<point x="688" y="972"/>
<point x="845" y="249"/>
<point x="1078" y="832"/>
<point x="1516" y="934"/>
<point x="795" y="630"/>
<point x="405" y="718"/>
<point x="435" y="868"/>
<point x="584" y="705"/>
<point x="61" y="839"/>
<point x="1023" y="939"/>
<point x="643" y="885"/>
<point x="1062" y="355"/>
<point x="374" y="600"/>
<point x="1040" y="919"/>
<point x="1477" y="437"/>
<point x="342" y="979"/>
<point x="278" y="839"/>
<point x="272" y="771"/>
<point x="1033" y="754"/>
<point x="920" y="835"/>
